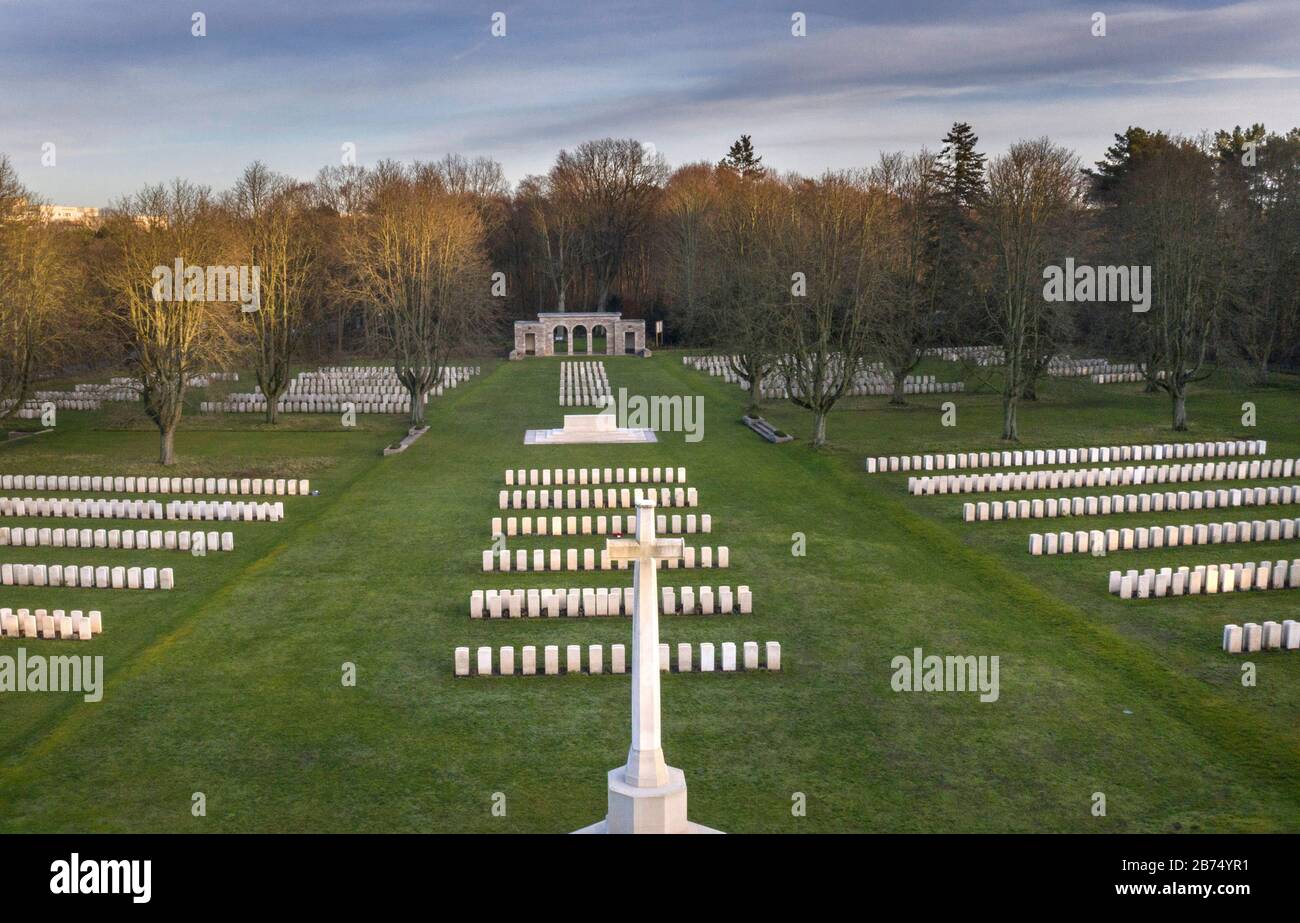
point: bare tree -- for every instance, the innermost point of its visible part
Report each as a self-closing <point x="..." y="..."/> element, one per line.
<point x="749" y="291"/>
<point x="36" y="287"/>
<point x="173" y="331"/>
<point x="905" y="321"/>
<point x="1172" y="220"/>
<point x="825" y="330"/>
<point x="1034" y="194"/>
<point x="553" y="220"/>
<point x="614" y="185"/>
<point x="1265" y="218"/>
<point x="340" y="189"/>
<point x="271" y="232"/>
<point x="338" y="196"/>
<point x="417" y="258"/>
<point x="688" y="261"/>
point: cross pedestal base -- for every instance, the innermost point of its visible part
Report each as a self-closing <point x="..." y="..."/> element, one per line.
<point x="647" y="810"/>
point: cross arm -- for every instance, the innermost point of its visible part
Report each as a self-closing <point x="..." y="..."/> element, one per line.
<point x="623" y="549"/>
<point x="668" y="548"/>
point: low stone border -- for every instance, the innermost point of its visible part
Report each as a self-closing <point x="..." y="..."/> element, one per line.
<point x="14" y="435"/>
<point x="766" y="430"/>
<point x="411" y="435"/>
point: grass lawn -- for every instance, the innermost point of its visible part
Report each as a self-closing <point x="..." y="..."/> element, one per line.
<point x="230" y="685"/>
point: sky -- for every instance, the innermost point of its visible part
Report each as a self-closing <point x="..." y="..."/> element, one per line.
<point x="127" y="95"/>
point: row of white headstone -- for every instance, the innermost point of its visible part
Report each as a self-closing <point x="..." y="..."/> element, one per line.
<point x="979" y="355"/>
<point x="568" y="559"/>
<point x="589" y="602"/>
<point x="362" y="373"/>
<point x="1067" y="479"/>
<point x="583" y="384"/>
<point x="87" y="576"/>
<point x="204" y="379"/>
<point x="43" y="624"/>
<point x="370" y="390"/>
<point x="317" y="393"/>
<point x="871" y="379"/>
<point x="879" y="389"/>
<point x="31" y="410"/>
<point x="139" y="484"/>
<point x="587" y="498"/>
<point x="1207" y="579"/>
<point x="1108" y="504"/>
<point x="704" y="603"/>
<point x="124" y="389"/>
<point x="63" y="400"/>
<point x="485" y="664"/>
<point x="1064" y="367"/>
<point x="238" y="511"/>
<point x="1143" y="537"/>
<point x="140" y="539"/>
<point x="375" y="380"/>
<point x="340" y="404"/>
<point x="1067" y="456"/>
<point x="334" y="393"/>
<point x="120" y="389"/>
<point x="1252" y="637"/>
<point x="113" y="508"/>
<point x="872" y="389"/>
<point x="1122" y="378"/>
<point x="573" y="477"/>
<point x="616" y="524"/>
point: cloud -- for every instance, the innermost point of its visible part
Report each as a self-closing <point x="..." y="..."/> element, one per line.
<point x="130" y="96"/>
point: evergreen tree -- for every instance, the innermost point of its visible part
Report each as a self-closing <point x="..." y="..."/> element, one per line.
<point x="1231" y="146"/>
<point x="952" y="250"/>
<point x="1134" y="144"/>
<point x="742" y="160"/>
<point x="961" y="167"/>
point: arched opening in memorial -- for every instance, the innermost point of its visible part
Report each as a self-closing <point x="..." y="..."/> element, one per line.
<point x="599" y="339"/>
<point x="561" y="341"/>
<point x="581" y="341"/>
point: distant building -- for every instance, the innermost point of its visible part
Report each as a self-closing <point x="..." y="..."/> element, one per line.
<point x="71" y="214"/>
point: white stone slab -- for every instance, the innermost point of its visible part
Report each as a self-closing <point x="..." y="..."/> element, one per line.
<point x="588" y="428"/>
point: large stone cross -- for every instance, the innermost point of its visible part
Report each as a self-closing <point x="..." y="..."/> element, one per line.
<point x="645" y="760"/>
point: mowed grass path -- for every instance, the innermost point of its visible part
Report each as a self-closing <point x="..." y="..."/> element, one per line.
<point x="230" y="685"/>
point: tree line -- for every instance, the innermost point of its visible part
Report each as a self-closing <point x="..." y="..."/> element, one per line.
<point x="802" y="280"/>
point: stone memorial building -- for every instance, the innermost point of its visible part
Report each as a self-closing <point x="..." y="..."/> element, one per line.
<point x="539" y="337"/>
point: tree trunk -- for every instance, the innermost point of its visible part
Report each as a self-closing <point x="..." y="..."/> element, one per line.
<point x="1180" y="408"/>
<point x="898" y="396"/>
<point x="1150" y="387"/>
<point x="1261" y="372"/>
<point x="819" y="429"/>
<point x="417" y="407"/>
<point x="755" y="395"/>
<point x="167" y="445"/>
<point x="1030" y="391"/>
<point x="1010" y="423"/>
<point x="272" y="410"/>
